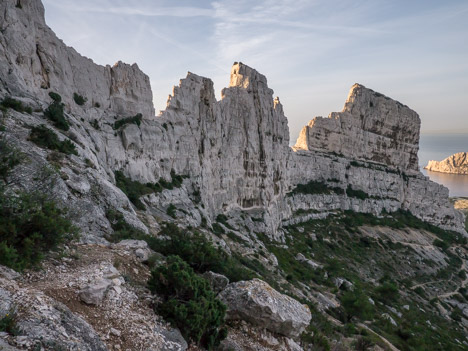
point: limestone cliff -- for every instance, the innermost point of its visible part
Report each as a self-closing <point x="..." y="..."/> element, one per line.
<point x="234" y="152"/>
<point x="456" y="164"/>
<point x="371" y="127"/>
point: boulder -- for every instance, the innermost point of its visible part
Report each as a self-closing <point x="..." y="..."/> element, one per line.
<point x="217" y="281"/>
<point x="138" y="247"/>
<point x="94" y="293"/>
<point x="259" y="304"/>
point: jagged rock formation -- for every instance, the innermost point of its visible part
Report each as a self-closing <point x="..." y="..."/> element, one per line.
<point x="456" y="164"/>
<point x="371" y="127"/>
<point x="235" y="151"/>
<point x="32" y="64"/>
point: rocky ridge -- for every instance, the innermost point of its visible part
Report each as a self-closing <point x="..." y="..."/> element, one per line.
<point x="235" y="152"/>
<point x="456" y="164"/>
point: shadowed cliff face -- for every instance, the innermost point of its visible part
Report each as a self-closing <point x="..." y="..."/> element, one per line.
<point x="235" y="152"/>
<point x="371" y="127"/>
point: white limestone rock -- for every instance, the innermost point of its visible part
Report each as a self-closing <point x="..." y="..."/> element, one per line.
<point x="371" y="127"/>
<point x="456" y="164"/>
<point x="259" y="304"/>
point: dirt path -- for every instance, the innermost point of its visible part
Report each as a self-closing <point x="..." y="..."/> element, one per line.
<point x="388" y="343"/>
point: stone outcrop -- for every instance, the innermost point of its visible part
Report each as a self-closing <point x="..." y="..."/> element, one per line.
<point x="31" y="65"/>
<point x="456" y="164"/>
<point x="371" y="127"/>
<point x="258" y="303"/>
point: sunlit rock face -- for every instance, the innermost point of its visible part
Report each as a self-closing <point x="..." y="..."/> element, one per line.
<point x="33" y="61"/>
<point x="371" y="127"/>
<point x="234" y="152"/>
<point x="456" y="163"/>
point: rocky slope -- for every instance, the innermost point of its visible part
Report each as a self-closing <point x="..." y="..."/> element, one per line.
<point x="346" y="207"/>
<point x="456" y="164"/>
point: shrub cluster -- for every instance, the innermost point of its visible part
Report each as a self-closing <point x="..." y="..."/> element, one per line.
<point x="134" y="189"/>
<point x="129" y="120"/>
<point x="55" y="112"/>
<point x="356" y="193"/>
<point x="80" y="100"/>
<point x="8" y="323"/>
<point x="188" y="302"/>
<point x="30" y="226"/>
<point x="316" y="187"/>
<point x="16" y="105"/>
<point x="46" y="138"/>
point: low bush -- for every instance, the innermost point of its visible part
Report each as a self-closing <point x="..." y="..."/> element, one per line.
<point x="387" y="292"/>
<point x="46" y="138"/>
<point x="80" y="100"/>
<point x="356" y="193"/>
<point x="30" y="226"/>
<point x="171" y="211"/>
<point x="129" y="120"/>
<point x="55" y="97"/>
<point x="316" y="187"/>
<point x="56" y="114"/>
<point x="188" y="302"/>
<point x="16" y="105"/>
<point x="134" y="189"/>
<point x="357" y="304"/>
<point x="8" y="323"/>
<point x="9" y="158"/>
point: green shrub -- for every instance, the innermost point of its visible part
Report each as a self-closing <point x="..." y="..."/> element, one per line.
<point x="9" y="158"/>
<point x="55" y="97"/>
<point x="171" y="211"/>
<point x="95" y="124"/>
<point x="16" y="105"/>
<point x="8" y="323"/>
<point x="188" y="302"/>
<point x="46" y="138"/>
<point x="387" y="292"/>
<point x="200" y="253"/>
<point x="356" y="304"/>
<point x="55" y="113"/>
<point x="129" y="120"/>
<point x="356" y="193"/>
<point x="441" y="243"/>
<point x="80" y="100"/>
<point x="316" y="187"/>
<point x="134" y="189"/>
<point x="30" y="226"/>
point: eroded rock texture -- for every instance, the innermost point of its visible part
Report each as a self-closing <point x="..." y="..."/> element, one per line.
<point x="456" y="163"/>
<point x="371" y="127"/>
<point x="234" y="152"/>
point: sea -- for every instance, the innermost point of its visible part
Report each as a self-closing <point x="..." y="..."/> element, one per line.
<point x="440" y="146"/>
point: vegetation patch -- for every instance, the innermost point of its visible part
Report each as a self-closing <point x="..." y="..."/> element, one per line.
<point x="8" y="323"/>
<point x="129" y="120"/>
<point x="134" y="189"/>
<point x="188" y="302"/>
<point x="362" y="195"/>
<point x="55" y="112"/>
<point x="79" y="100"/>
<point x="30" y="224"/>
<point x="46" y="138"/>
<point x="14" y="104"/>
<point x="316" y="187"/>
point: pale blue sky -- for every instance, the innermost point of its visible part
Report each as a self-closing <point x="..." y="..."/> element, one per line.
<point x="312" y="52"/>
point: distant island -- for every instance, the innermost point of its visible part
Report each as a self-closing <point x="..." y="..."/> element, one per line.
<point x="456" y="164"/>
